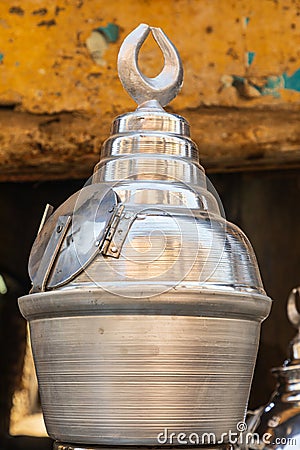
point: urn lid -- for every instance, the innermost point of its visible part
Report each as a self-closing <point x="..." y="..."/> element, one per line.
<point x="148" y="195"/>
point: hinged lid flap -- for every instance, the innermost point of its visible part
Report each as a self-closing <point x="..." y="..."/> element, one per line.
<point x="71" y="237"/>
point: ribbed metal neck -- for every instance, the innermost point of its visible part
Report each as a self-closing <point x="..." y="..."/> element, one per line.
<point x="150" y="116"/>
<point x="150" y="144"/>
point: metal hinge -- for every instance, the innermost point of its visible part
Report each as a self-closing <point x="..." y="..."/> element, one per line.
<point x="117" y="231"/>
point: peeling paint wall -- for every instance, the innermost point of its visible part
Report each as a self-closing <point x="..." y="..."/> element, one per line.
<point x="49" y="62"/>
<point x="59" y="58"/>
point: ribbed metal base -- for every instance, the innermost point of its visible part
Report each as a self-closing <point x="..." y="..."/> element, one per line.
<point x="65" y="446"/>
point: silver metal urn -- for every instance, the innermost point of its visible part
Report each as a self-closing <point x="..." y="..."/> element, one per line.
<point x="277" y="425"/>
<point x="146" y="304"/>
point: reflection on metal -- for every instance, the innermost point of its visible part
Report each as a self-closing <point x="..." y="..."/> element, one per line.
<point x="117" y="232"/>
<point x="164" y="332"/>
<point x="52" y="251"/>
<point x="26" y="416"/>
<point x="47" y="213"/>
<point x="280" y="418"/>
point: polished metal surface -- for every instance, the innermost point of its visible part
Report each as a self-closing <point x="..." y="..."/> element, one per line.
<point x="277" y="425"/>
<point x="166" y="85"/>
<point x="206" y="257"/>
<point x="123" y="378"/>
<point x="160" y="326"/>
<point x="110" y="363"/>
<point x="71" y="238"/>
<point x="292" y="309"/>
<point x="150" y="144"/>
<point x="47" y="213"/>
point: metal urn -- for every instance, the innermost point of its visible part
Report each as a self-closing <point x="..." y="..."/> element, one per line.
<point x="146" y="304"/>
<point x="277" y="425"/>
